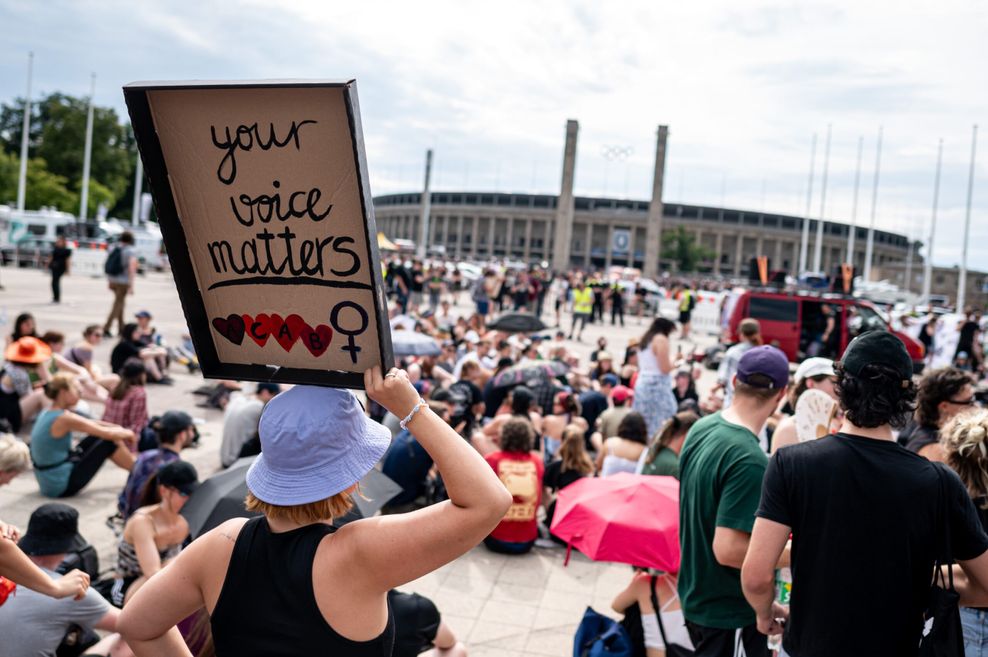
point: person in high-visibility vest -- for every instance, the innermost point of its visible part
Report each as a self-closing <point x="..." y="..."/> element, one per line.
<point x="687" y="301"/>
<point x="583" y="298"/>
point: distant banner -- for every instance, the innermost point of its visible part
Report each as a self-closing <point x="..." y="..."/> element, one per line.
<point x="621" y="241"/>
<point x="262" y="196"/>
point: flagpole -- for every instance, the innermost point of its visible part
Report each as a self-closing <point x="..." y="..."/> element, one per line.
<point x="870" y="245"/>
<point x="135" y="210"/>
<point x="852" y="233"/>
<point x="805" y="240"/>
<point x="88" y="155"/>
<point x="818" y="247"/>
<point x="928" y="265"/>
<point x="962" y="279"/>
<point x="22" y="174"/>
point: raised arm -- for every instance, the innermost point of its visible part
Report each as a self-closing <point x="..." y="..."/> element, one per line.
<point x="436" y="535"/>
<point x="18" y="568"/>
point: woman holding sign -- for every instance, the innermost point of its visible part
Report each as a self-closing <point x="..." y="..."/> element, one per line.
<point x="288" y="583"/>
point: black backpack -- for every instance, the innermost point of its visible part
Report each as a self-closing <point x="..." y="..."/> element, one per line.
<point x="114" y="265"/>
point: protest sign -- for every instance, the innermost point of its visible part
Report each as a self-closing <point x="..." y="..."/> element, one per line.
<point x="262" y="195"/>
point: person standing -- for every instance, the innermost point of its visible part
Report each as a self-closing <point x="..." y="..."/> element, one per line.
<point x="583" y="300"/>
<point x="653" y="388"/>
<point x="121" y="270"/>
<point x="617" y="304"/>
<point x="750" y="333"/>
<point x="720" y="477"/>
<point x="856" y="498"/>
<point x="687" y="301"/>
<point x="943" y="393"/>
<point x="58" y="265"/>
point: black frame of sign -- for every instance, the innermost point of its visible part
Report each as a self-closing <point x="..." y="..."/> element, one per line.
<point x="173" y="235"/>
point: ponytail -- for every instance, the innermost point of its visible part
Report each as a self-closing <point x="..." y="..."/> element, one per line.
<point x="677" y="425"/>
<point x="149" y="492"/>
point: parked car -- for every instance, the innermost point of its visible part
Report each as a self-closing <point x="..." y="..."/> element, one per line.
<point x="28" y="252"/>
<point x="792" y="321"/>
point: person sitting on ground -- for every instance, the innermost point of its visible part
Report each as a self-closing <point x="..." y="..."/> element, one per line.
<point x="610" y="420"/>
<point x="646" y="590"/>
<point x="684" y="388"/>
<point x="593" y="403"/>
<point x="82" y="354"/>
<point x="812" y="374"/>
<point x="176" y="430"/>
<point x="22" y="379"/>
<point x="33" y="623"/>
<point x="154" y="534"/>
<point x="240" y="419"/>
<point x="62" y="471"/>
<point x="91" y="391"/>
<point x="128" y="403"/>
<point x="521" y="470"/>
<point x="566" y="411"/>
<point x="419" y="628"/>
<point x="24" y="326"/>
<point x="662" y="457"/>
<point x="130" y="346"/>
<point x="943" y="394"/>
<point x="522" y="405"/>
<point x="572" y="465"/>
<point x="148" y="336"/>
<point x="621" y="453"/>
<point x="605" y="365"/>
<point x="324" y="591"/>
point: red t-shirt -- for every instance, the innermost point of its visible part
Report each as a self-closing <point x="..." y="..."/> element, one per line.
<point x="522" y="475"/>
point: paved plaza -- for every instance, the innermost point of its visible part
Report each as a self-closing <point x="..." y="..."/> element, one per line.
<point x="498" y="605"/>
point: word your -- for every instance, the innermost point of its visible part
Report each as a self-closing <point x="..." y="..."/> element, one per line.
<point x="244" y="138"/>
<point x="286" y="331"/>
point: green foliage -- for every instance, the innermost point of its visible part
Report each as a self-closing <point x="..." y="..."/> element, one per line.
<point x="57" y="136"/>
<point x="44" y="189"/>
<point x="681" y="247"/>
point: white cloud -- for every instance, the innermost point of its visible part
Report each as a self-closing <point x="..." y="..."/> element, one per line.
<point x="490" y="86"/>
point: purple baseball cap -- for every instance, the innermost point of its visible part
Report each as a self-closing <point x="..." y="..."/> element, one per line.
<point x="315" y="443"/>
<point x="768" y="362"/>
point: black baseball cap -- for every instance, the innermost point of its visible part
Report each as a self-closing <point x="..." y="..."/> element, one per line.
<point x="52" y="529"/>
<point x="877" y="348"/>
<point x="180" y="475"/>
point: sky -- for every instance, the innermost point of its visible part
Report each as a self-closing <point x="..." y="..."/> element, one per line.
<point x="743" y="87"/>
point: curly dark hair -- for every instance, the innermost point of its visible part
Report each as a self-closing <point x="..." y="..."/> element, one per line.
<point x="875" y="397"/>
<point x="633" y="428"/>
<point x="517" y="436"/>
<point x="938" y="386"/>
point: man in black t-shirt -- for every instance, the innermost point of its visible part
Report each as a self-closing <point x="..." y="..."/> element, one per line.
<point x="863" y="516"/>
<point x="58" y="265"/>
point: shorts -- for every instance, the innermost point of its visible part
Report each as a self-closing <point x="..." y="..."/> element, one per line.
<point x="684" y="317"/>
<point x="483" y="307"/>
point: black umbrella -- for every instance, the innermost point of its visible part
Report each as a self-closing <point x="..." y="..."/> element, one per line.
<point x="517" y="323"/>
<point x="530" y="373"/>
<point x="412" y="343"/>
<point x="221" y="497"/>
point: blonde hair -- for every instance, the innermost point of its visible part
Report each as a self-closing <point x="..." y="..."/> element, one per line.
<point x="965" y="441"/>
<point x="303" y="514"/>
<point x="59" y="382"/>
<point x="573" y="451"/>
<point x="15" y="456"/>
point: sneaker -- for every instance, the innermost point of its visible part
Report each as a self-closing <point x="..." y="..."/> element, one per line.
<point x="164" y="381"/>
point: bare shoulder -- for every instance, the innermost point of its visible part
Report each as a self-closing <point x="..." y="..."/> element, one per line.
<point x="225" y="533"/>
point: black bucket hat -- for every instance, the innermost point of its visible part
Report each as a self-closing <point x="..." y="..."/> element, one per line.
<point x="52" y="529"/>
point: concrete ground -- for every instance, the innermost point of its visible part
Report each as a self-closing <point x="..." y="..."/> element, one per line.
<point x="497" y="605"/>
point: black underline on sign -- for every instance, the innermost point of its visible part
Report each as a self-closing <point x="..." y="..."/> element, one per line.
<point x="301" y="280"/>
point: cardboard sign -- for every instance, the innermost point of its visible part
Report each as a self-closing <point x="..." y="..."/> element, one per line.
<point x="262" y="195"/>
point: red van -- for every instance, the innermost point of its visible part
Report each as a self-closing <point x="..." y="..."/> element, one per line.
<point x="793" y="321"/>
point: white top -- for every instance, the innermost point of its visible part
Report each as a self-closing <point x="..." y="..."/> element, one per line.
<point x="673" y="622"/>
<point x="647" y="362"/>
<point x="614" y="464"/>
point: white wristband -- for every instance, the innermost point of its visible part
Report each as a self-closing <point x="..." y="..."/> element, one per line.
<point x="415" y="409"/>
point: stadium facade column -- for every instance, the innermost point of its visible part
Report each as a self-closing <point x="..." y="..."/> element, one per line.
<point x="653" y="230"/>
<point x="565" y="205"/>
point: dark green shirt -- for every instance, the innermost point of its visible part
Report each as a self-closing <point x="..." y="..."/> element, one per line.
<point x="666" y="463"/>
<point x="720" y="479"/>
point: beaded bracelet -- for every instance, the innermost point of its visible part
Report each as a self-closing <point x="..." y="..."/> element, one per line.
<point x="415" y="409"/>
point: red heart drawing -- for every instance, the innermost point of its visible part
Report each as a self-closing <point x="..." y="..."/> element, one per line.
<point x="297" y="326"/>
<point x="258" y="328"/>
<point x="317" y="339"/>
<point x="282" y="332"/>
<point x="231" y="328"/>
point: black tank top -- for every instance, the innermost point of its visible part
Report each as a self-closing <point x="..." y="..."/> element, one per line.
<point x="267" y="607"/>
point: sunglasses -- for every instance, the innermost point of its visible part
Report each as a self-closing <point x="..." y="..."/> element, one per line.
<point x="966" y="402"/>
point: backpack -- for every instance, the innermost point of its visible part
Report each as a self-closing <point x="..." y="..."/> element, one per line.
<point x="114" y="265"/>
<point x="600" y="636"/>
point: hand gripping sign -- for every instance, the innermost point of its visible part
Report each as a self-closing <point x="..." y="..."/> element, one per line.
<point x="262" y="195"/>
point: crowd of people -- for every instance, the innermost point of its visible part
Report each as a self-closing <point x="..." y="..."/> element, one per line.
<point x="794" y="480"/>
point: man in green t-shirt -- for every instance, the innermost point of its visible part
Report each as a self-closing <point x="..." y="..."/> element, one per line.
<point x="720" y="473"/>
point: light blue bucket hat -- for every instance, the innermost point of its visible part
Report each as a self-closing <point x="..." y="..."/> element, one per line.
<point x="315" y="443"/>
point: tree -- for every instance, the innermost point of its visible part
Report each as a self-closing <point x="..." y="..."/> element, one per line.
<point x="57" y="135"/>
<point x="681" y="247"/>
<point x="44" y="189"/>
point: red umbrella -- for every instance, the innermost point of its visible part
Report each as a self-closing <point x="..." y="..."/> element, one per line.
<point x="625" y="518"/>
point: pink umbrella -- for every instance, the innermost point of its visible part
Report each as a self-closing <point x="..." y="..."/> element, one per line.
<point x="625" y="518"/>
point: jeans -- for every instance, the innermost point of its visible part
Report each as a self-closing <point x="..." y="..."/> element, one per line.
<point x="975" y="624"/>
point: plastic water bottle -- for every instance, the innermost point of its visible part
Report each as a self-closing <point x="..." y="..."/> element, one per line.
<point x="783" y="591"/>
